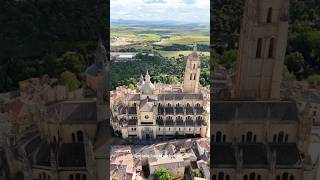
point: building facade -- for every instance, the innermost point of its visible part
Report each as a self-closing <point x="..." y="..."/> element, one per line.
<point x="162" y="110"/>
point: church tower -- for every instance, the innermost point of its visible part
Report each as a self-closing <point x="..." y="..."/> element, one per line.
<point x="101" y="61"/>
<point x="192" y="73"/>
<point x="263" y="41"/>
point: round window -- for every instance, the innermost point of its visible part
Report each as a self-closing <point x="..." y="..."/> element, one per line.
<point x="146" y="117"/>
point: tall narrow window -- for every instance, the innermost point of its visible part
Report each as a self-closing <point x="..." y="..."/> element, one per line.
<point x="194" y="66"/>
<point x="221" y="176"/>
<point x="285" y="176"/>
<point x="73" y="138"/>
<point x="259" y="47"/>
<point x="194" y="77"/>
<point x="190" y="76"/>
<point x="271" y="47"/>
<point x="269" y="16"/>
<point x="252" y="176"/>
<point x="80" y="136"/>
<point x="218" y="137"/>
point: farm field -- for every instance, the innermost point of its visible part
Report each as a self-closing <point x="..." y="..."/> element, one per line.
<point x="176" y="54"/>
<point x="185" y="40"/>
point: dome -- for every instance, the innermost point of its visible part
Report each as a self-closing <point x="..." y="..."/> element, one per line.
<point x="141" y="81"/>
<point x="147" y="87"/>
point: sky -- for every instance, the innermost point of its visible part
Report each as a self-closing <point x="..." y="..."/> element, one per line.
<point x="161" y="10"/>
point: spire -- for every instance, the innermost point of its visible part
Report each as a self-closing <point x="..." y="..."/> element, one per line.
<point x="195" y="47"/>
<point x="147" y="77"/>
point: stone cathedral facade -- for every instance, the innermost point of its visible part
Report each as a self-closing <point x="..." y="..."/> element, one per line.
<point x="162" y="110"/>
<point x="256" y="134"/>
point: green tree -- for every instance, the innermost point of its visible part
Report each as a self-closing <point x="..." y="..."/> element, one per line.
<point x="287" y="76"/>
<point x="228" y="59"/>
<point x="295" y="62"/>
<point x="70" y="80"/>
<point x="163" y="174"/>
<point x="73" y="62"/>
<point x="198" y="173"/>
<point x="315" y="78"/>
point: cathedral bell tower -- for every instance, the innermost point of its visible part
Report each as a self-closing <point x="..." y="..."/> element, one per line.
<point x="102" y="95"/>
<point x="192" y="73"/>
<point x="263" y="41"/>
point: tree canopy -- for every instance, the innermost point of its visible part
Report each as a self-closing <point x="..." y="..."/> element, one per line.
<point x="163" y="174"/>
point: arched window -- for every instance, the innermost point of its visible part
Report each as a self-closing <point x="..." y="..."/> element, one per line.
<point x="84" y="177"/>
<point x="194" y="66"/>
<point x="224" y="138"/>
<point x="221" y="176"/>
<point x="285" y="176"/>
<point x="73" y="138"/>
<point x="286" y="138"/>
<point x="177" y="105"/>
<point x="54" y="139"/>
<point x="188" y="105"/>
<point x="169" y="105"/>
<point x="280" y="137"/>
<point x="259" y="48"/>
<point x="274" y="138"/>
<point x="271" y="47"/>
<point x="291" y="177"/>
<point x="218" y="137"/>
<point x="255" y="138"/>
<point x="71" y="177"/>
<point x="197" y="105"/>
<point x="190" y="76"/>
<point x="214" y="177"/>
<point x="269" y="15"/>
<point x="242" y="138"/>
<point x="259" y="177"/>
<point x="245" y="177"/>
<point x="80" y="136"/>
<point x="194" y="77"/>
<point x="252" y="176"/>
<point x="77" y="176"/>
<point x="159" y="104"/>
<point x="249" y="136"/>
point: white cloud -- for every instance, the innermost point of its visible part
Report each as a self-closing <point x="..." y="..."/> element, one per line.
<point x="157" y="10"/>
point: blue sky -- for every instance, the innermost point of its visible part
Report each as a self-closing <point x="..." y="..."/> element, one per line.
<point x="161" y="10"/>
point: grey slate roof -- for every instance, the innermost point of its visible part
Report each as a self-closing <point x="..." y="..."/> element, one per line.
<point x="68" y="154"/>
<point x="133" y="97"/>
<point x="254" y="110"/>
<point x="254" y="154"/>
<point x="77" y="111"/>
<point x="72" y="155"/>
<point x="286" y="154"/>
<point x="180" y="96"/>
<point x="94" y="69"/>
<point x="223" y="154"/>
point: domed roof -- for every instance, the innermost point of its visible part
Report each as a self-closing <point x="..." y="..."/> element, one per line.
<point x="140" y="82"/>
<point x="147" y="87"/>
